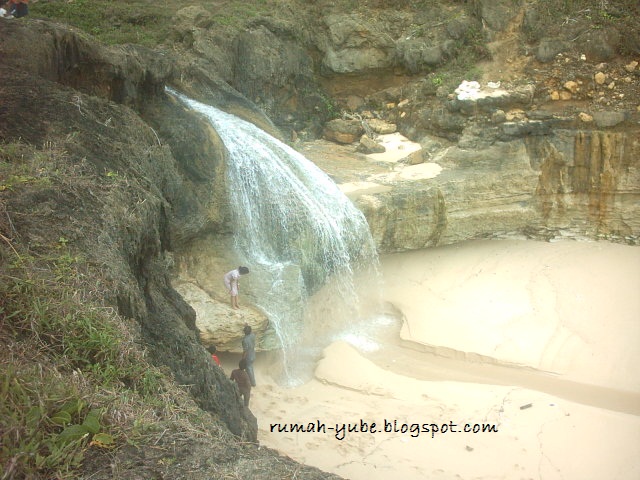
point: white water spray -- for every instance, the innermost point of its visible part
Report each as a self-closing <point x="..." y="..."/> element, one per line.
<point x="288" y="213"/>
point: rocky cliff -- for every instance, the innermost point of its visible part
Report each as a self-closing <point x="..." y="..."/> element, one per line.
<point x="82" y="171"/>
<point x="548" y="148"/>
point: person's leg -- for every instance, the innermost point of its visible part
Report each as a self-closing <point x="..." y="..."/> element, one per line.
<point x="246" y="396"/>
<point x="252" y="377"/>
<point x="22" y="10"/>
<point x="234" y="295"/>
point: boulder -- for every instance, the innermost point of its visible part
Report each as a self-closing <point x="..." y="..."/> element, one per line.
<point x="369" y="145"/>
<point x="218" y="323"/>
<point x="381" y="127"/>
<point x="548" y="48"/>
<point x="600" y="78"/>
<point x="599" y="46"/>
<point x="608" y="119"/>
<point x="343" y="131"/>
<point x="417" y="54"/>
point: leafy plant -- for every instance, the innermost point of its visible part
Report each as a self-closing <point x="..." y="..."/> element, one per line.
<point x="47" y="423"/>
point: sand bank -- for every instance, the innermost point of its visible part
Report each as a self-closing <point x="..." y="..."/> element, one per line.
<point x="531" y="347"/>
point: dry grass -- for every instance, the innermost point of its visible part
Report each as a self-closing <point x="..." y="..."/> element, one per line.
<point x="74" y="379"/>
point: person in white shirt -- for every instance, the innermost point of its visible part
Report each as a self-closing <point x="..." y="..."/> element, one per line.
<point x="232" y="283"/>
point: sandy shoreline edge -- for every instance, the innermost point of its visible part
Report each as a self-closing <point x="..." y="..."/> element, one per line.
<point x="569" y="309"/>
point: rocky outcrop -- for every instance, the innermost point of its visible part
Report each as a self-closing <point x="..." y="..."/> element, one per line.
<point x="218" y="324"/>
<point x="353" y="44"/>
<point x="129" y="74"/>
<point x="130" y="197"/>
<point x="343" y="131"/>
<point x="565" y="184"/>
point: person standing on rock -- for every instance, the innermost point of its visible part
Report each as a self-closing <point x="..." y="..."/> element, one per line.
<point x="249" y="352"/>
<point x="232" y="282"/>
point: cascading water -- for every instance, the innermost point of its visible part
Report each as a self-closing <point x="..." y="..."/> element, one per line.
<point x="288" y="215"/>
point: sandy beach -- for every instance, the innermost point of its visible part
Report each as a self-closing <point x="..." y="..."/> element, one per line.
<point x="500" y="359"/>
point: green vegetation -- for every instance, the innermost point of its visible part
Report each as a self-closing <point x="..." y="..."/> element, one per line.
<point x="64" y="366"/>
<point x="72" y="377"/>
<point x="592" y="14"/>
<point x="236" y="14"/>
<point x="142" y="22"/>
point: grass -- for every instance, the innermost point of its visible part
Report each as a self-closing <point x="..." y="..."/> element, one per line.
<point x="73" y="378"/>
<point x="141" y="22"/>
<point x="144" y="22"/>
<point x="61" y="353"/>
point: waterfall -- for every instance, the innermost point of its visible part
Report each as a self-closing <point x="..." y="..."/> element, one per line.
<point x="288" y="216"/>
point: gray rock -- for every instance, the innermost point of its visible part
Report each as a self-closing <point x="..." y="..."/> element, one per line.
<point x="416" y="54"/>
<point x="353" y="45"/>
<point x="498" y="116"/>
<point x="381" y="127"/>
<point x="343" y="131"/>
<point x="548" y="48"/>
<point x="369" y="145"/>
<point x="600" y="46"/>
<point x="497" y="14"/>
<point x="522" y="129"/>
<point x="609" y="119"/>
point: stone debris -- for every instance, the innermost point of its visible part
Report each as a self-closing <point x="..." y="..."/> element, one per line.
<point x="600" y="78"/>
<point x="630" y="67"/>
<point x="585" y="117"/>
<point x="571" y="86"/>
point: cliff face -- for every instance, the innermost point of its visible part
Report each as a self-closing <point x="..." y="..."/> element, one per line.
<point x="550" y="150"/>
<point x="572" y="184"/>
<point x="130" y="200"/>
<point x="122" y="194"/>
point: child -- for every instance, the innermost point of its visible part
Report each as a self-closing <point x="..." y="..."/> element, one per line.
<point x="212" y="350"/>
<point x="240" y="376"/>
<point x="232" y="282"/>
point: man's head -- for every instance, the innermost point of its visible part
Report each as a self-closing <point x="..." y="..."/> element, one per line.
<point x="247" y="329"/>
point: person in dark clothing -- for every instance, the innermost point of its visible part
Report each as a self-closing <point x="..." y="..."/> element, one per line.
<point x="249" y="352"/>
<point x="18" y="8"/>
<point x="240" y="376"/>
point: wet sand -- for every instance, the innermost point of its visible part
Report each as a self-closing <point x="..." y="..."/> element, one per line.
<point x="536" y="343"/>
